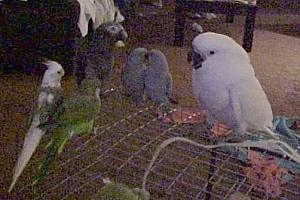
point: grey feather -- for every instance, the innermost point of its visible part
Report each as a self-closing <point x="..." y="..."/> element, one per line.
<point x="133" y="74"/>
<point x="100" y="52"/>
<point x="158" y="80"/>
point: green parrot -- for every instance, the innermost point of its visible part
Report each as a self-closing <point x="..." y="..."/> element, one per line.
<point x="119" y="191"/>
<point x="78" y="116"/>
<point x="60" y="119"/>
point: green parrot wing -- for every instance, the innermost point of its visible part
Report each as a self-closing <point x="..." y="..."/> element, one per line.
<point x="116" y="191"/>
<point x="79" y="113"/>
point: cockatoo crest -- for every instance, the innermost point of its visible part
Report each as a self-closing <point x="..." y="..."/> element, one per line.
<point x="52" y="75"/>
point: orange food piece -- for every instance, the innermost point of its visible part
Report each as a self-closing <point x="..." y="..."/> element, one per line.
<point x="185" y="115"/>
<point x="220" y="130"/>
<point x="265" y="173"/>
<point x="192" y="115"/>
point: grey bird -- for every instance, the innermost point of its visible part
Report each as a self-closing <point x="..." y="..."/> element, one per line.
<point x="158" y="80"/>
<point x="133" y="74"/>
<point x="100" y="54"/>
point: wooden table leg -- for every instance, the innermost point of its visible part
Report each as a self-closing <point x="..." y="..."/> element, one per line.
<point x="249" y="28"/>
<point x="179" y="24"/>
<point x="230" y="15"/>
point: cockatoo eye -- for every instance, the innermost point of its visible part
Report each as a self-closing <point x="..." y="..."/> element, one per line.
<point x="211" y="52"/>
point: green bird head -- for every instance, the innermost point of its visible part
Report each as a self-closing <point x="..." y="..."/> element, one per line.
<point x="113" y="191"/>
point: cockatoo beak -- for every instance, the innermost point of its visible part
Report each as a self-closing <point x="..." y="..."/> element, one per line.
<point x="195" y="59"/>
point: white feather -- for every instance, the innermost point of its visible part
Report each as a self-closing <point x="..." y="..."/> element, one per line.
<point x="52" y="75"/>
<point x="226" y="85"/>
<point x="51" y="78"/>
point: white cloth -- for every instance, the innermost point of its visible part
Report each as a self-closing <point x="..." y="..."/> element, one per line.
<point x="105" y="12"/>
<point x="87" y="12"/>
<point x="100" y="11"/>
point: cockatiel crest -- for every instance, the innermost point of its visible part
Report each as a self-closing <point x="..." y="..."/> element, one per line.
<point x="52" y="75"/>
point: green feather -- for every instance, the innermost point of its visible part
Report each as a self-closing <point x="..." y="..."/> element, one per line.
<point x="77" y="116"/>
<point x="118" y="191"/>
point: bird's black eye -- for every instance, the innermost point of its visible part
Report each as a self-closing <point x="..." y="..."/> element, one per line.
<point x="211" y="52"/>
<point x="59" y="72"/>
<point x="113" y="29"/>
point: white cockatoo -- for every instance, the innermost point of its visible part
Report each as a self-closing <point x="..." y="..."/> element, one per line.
<point x="224" y="83"/>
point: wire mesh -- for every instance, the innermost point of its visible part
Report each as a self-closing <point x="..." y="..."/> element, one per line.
<point x="121" y="149"/>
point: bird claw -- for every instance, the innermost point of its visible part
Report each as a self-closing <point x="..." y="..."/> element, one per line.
<point x="95" y="130"/>
<point x="209" y="124"/>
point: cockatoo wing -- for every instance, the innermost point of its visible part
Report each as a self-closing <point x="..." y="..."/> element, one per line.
<point x="255" y="107"/>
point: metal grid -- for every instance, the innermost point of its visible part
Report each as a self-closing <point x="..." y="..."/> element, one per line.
<point x="122" y="149"/>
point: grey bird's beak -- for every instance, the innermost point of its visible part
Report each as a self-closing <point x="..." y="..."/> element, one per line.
<point x="195" y="59"/>
<point x="121" y="39"/>
<point x="123" y="36"/>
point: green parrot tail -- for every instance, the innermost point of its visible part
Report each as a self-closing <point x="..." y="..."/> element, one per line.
<point x="85" y="127"/>
<point x="43" y="168"/>
<point x="54" y="148"/>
